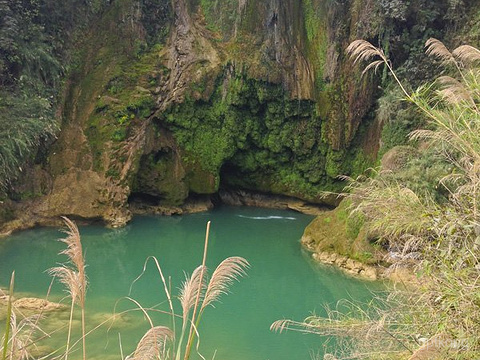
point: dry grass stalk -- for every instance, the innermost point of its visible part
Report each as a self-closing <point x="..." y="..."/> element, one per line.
<point x="164" y="282"/>
<point x="18" y="334"/>
<point x="21" y="338"/>
<point x="72" y="275"/>
<point x="9" y="317"/>
<point x="154" y="344"/>
<point x="225" y="274"/>
<point x="199" y="294"/>
<point x="195" y="294"/>
<point x="437" y="49"/>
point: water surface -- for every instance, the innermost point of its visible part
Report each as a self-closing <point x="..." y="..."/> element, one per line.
<point x="283" y="282"/>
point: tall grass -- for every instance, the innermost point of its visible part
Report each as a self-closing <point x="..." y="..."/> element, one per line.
<point x="9" y="318"/>
<point x="439" y="315"/>
<point x="72" y="276"/>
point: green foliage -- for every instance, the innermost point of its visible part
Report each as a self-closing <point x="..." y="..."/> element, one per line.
<point x="156" y="18"/>
<point x="25" y="124"/>
<point x="34" y="41"/>
<point x="398" y="117"/>
<point x="334" y="162"/>
<point x="423" y="174"/>
<point x="258" y="138"/>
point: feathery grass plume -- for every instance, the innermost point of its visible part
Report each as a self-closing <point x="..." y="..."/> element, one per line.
<point x="72" y="275"/>
<point x="437" y="49"/>
<point x="467" y="54"/>
<point x="192" y="286"/>
<point x="154" y="344"/>
<point x="225" y="274"/>
<point x="363" y="51"/>
<point x="453" y="91"/>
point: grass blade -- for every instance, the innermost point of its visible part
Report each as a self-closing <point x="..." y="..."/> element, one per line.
<point x="9" y="317"/>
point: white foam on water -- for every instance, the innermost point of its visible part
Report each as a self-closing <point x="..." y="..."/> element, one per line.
<point x="267" y="217"/>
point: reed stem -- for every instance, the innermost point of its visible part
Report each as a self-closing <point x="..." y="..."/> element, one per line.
<point x="191" y="334"/>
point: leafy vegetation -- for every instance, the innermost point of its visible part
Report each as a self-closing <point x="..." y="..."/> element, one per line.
<point x="34" y="42"/>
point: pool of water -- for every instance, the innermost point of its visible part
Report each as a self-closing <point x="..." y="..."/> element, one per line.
<point x="282" y="282"/>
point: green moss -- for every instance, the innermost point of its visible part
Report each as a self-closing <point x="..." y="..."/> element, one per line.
<point x="220" y="15"/>
<point x="118" y="74"/>
<point x="201" y="181"/>
<point x="353" y="225"/>
<point x="159" y="176"/>
<point x="341" y="232"/>
<point x="317" y="42"/>
<point x="252" y="135"/>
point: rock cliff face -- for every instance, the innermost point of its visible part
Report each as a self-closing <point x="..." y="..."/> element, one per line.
<point x="172" y="99"/>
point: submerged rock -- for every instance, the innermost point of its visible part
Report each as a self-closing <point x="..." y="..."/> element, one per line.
<point x="38" y="304"/>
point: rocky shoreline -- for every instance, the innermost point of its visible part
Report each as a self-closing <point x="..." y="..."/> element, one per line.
<point x="269" y="201"/>
<point x="27" y="215"/>
<point x="401" y="272"/>
<point x="344" y="263"/>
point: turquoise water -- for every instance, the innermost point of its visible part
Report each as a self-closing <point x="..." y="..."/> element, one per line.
<point x="282" y="282"/>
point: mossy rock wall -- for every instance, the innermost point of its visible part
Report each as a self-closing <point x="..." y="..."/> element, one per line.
<point x="172" y="99"/>
<point x="252" y="135"/>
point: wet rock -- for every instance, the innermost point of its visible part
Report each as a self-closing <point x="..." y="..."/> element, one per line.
<point x="308" y="242"/>
<point x="350" y="266"/>
<point x="248" y="198"/>
<point x="191" y="206"/>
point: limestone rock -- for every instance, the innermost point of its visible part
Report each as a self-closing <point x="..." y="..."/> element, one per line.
<point x="251" y="198"/>
<point x="350" y="266"/>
